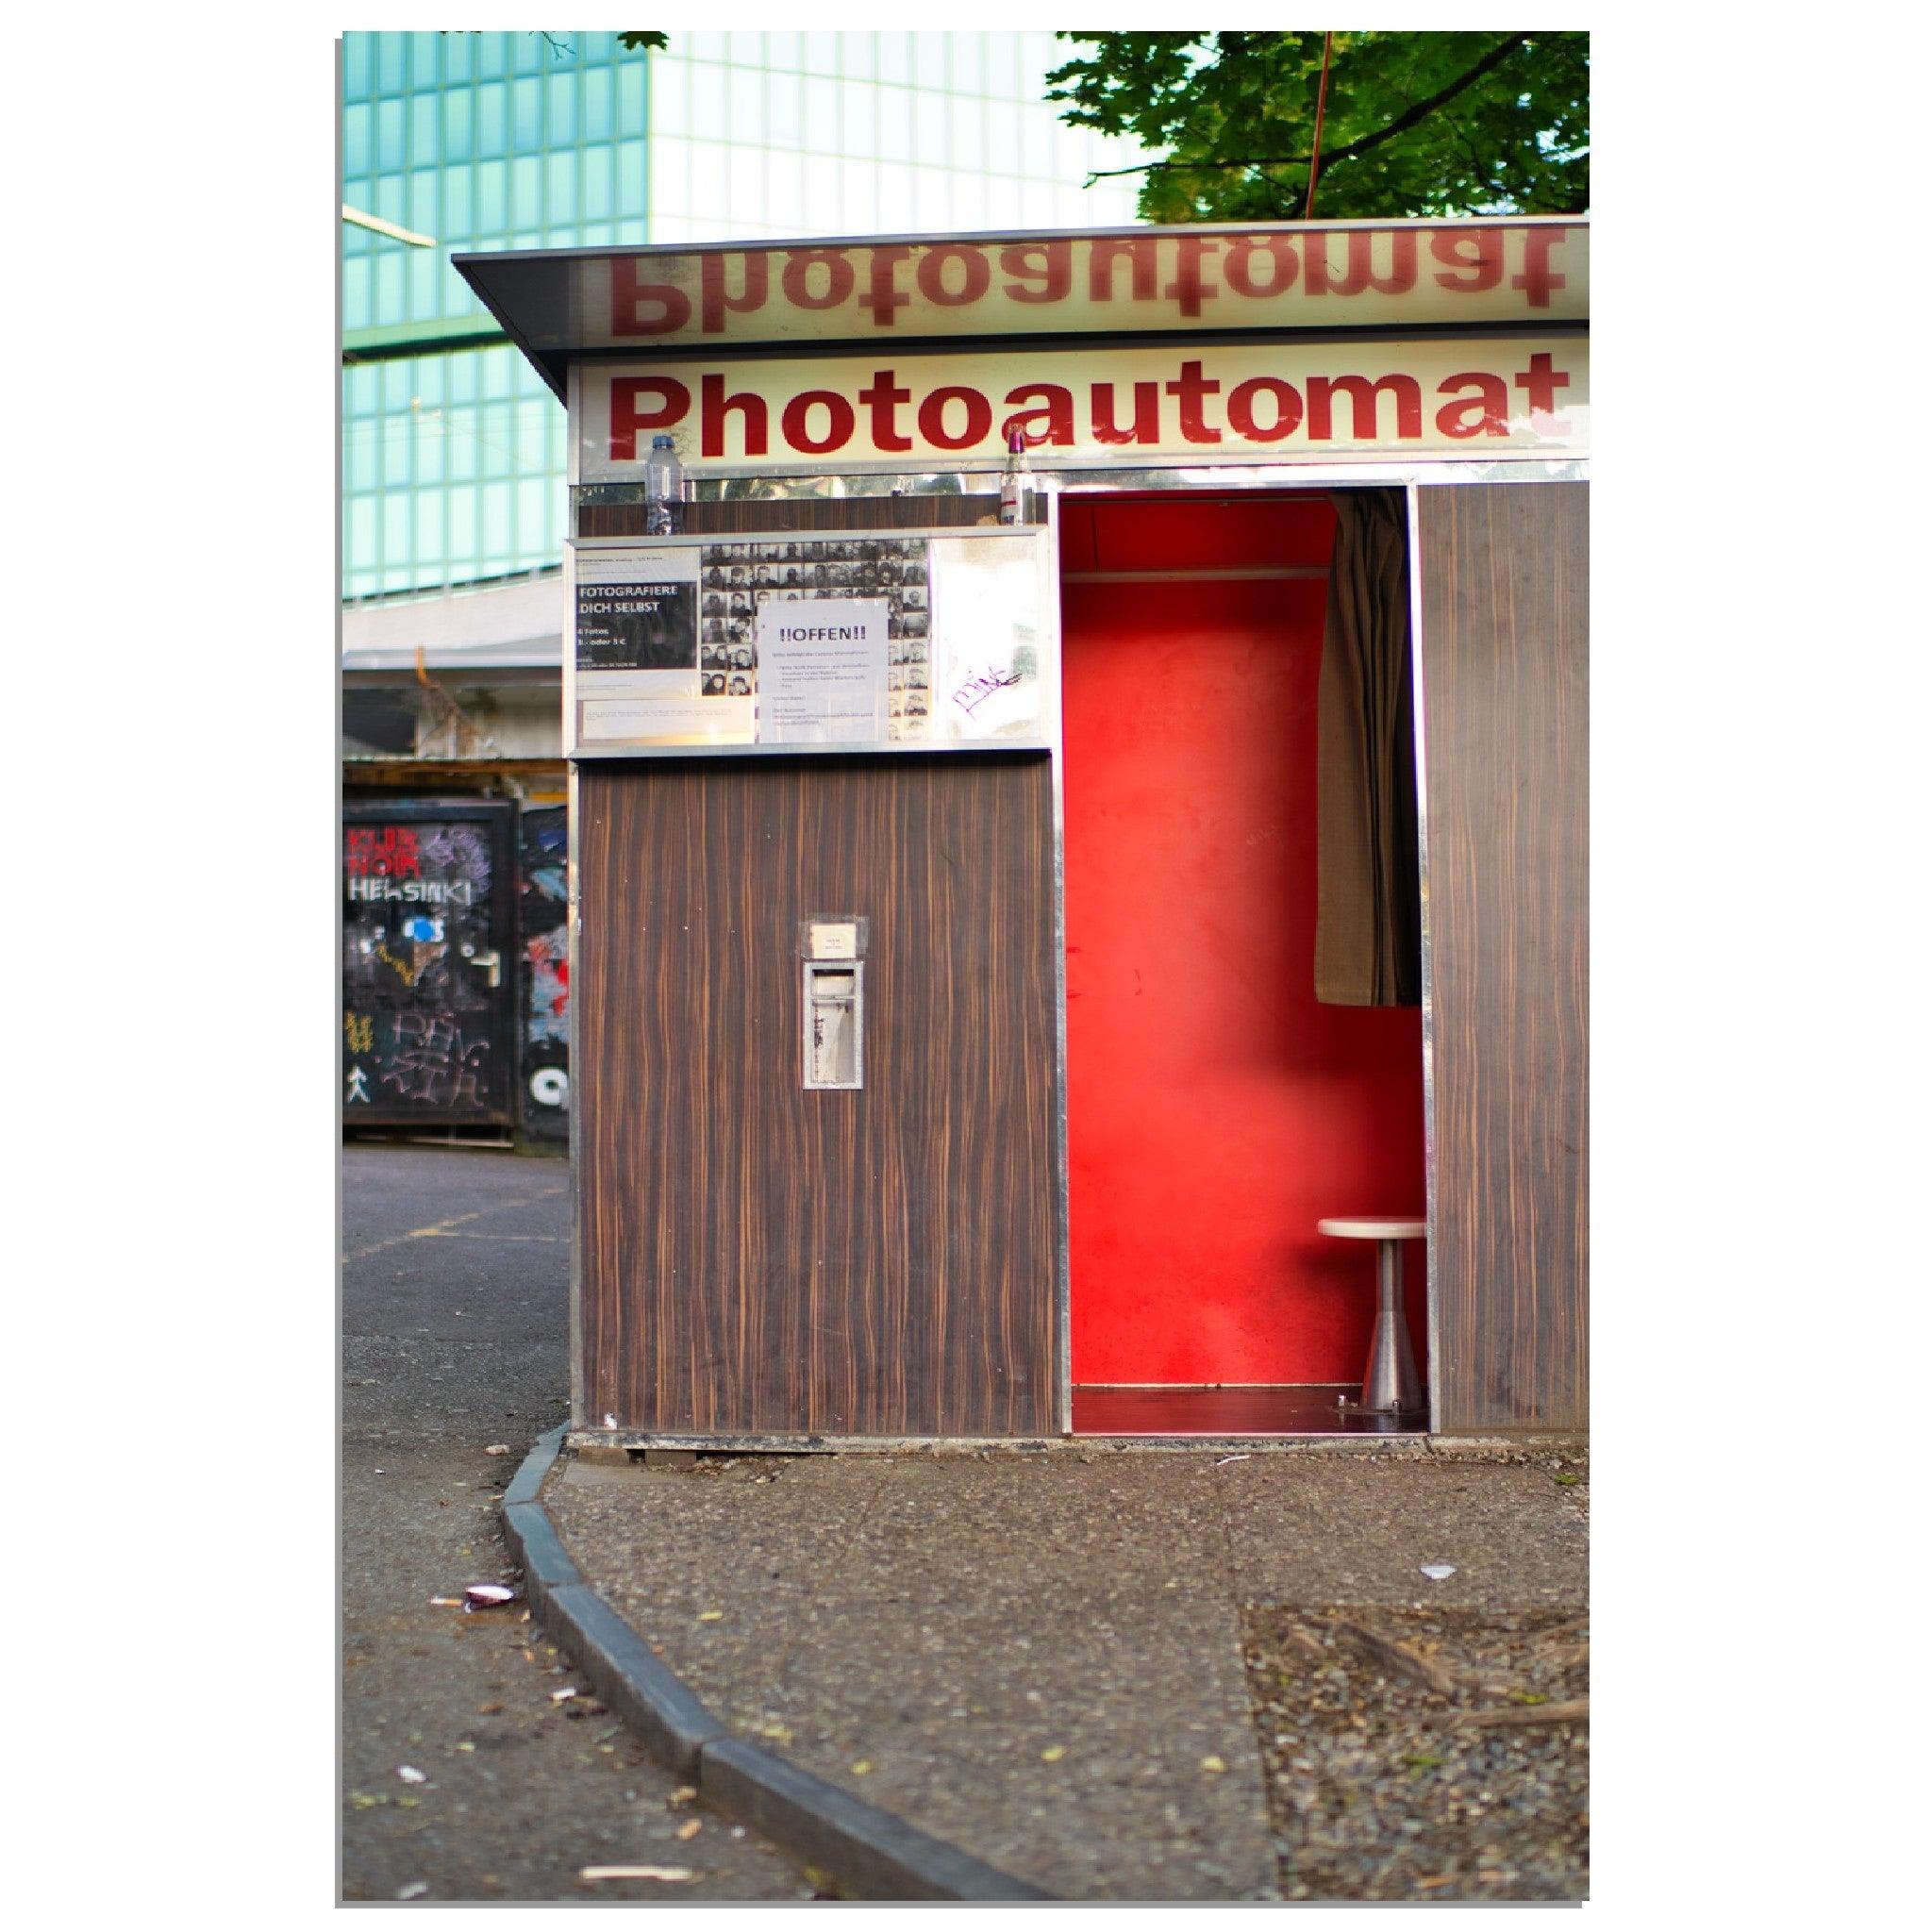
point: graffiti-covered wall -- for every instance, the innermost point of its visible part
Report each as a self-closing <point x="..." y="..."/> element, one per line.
<point x="428" y="1025"/>
<point x="543" y="903"/>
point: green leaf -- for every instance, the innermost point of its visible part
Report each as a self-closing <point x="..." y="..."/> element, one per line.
<point x="1414" y="123"/>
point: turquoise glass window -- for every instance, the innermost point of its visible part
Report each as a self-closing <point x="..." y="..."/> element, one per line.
<point x="598" y="104"/>
<point x="389" y="289"/>
<point x="395" y="523"/>
<point x="493" y="198"/>
<point x="358" y="300"/>
<point x="429" y="534"/>
<point x="426" y="130"/>
<point x="493" y="118"/>
<point x="630" y="97"/>
<point x="526" y="190"/>
<point x="527" y="120"/>
<point x="564" y="108"/>
<point x="357" y="67"/>
<point x="458" y="214"/>
<point x="388" y="134"/>
<point x="561" y="187"/>
<point x="458" y="124"/>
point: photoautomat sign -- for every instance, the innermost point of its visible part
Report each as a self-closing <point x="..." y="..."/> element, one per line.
<point x="1203" y="403"/>
<point x="1197" y="279"/>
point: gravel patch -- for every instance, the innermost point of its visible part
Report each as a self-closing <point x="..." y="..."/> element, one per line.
<point x="1376" y="1791"/>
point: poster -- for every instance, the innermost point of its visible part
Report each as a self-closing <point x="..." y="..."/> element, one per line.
<point x="826" y="670"/>
<point x="638" y="612"/>
<point x="741" y="582"/>
<point x="673" y="642"/>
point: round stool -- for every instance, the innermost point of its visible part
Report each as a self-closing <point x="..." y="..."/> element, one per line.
<point x="1390" y="1386"/>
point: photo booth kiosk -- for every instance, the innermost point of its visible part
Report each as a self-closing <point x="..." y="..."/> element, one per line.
<point x="1055" y="929"/>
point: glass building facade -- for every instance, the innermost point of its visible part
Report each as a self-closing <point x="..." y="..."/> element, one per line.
<point x="453" y="450"/>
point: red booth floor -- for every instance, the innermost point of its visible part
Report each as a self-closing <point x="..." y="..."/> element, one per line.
<point x="1302" y="1408"/>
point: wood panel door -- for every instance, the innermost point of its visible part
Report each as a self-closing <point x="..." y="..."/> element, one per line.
<point x="755" y="1257"/>
<point x="1504" y="592"/>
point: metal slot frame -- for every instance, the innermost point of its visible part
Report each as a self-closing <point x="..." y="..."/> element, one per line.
<point x="809" y="971"/>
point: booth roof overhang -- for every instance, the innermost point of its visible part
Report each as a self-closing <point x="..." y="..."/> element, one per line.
<point x="1198" y="283"/>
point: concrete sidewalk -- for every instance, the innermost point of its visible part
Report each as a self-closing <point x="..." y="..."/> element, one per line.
<point x="1139" y="1676"/>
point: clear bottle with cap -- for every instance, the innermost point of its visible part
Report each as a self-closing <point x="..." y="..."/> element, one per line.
<point x="1016" y="481"/>
<point x="663" y="489"/>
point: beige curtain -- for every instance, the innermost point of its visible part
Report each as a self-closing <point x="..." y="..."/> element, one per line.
<point x="1367" y="917"/>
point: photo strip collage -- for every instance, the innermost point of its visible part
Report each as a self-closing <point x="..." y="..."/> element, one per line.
<point x="735" y="577"/>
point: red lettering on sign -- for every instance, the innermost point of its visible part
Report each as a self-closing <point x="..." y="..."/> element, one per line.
<point x="1240" y="409"/>
<point x="382" y="852"/>
<point x="629" y="415"/>
<point x="1478" y="255"/>
<point x="839" y="422"/>
<point x="932" y="418"/>
<point x="1108" y="250"/>
<point x="754" y="284"/>
<point x="932" y="275"/>
<point x="1362" y="273"/>
<point x="1485" y="413"/>
<point x="1365" y="395"/>
<point x="1536" y="276"/>
<point x="1146" y="414"/>
<point x="628" y="296"/>
<point x="1283" y="264"/>
<point x="798" y="268"/>
<point x="883" y="296"/>
<point x="883" y="399"/>
<point x="1054" y="270"/>
<point x="712" y="408"/>
<point x="1187" y="287"/>
<point x="1192" y="390"/>
<point x="1053" y="412"/>
<point x="1543" y="379"/>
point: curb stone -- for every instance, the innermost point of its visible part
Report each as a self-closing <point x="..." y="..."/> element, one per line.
<point x="873" y="1853"/>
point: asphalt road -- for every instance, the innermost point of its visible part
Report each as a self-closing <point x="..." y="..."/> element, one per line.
<point x="454" y="1325"/>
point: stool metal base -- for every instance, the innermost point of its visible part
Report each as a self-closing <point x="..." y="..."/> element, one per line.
<point x="1390" y="1385"/>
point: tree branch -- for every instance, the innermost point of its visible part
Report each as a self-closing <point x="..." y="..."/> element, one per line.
<point x="1401" y="124"/>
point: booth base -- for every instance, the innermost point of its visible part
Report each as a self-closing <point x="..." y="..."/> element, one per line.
<point x="1309" y="1414"/>
<point x="1299" y="1408"/>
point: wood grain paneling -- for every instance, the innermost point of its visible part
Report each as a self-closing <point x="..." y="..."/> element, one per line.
<point x="1504" y="574"/>
<point x="755" y="1257"/>
<point x="800" y="515"/>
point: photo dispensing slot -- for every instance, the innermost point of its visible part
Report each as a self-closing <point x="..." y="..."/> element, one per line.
<point x="834" y="986"/>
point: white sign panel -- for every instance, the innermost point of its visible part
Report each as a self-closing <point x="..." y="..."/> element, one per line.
<point x="1193" y="278"/>
<point x="823" y="670"/>
<point x="1193" y="403"/>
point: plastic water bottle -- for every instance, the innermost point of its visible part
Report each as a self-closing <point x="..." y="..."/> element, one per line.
<point x="1015" y="479"/>
<point x="663" y="489"/>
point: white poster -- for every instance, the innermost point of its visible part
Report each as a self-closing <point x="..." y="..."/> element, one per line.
<point x="823" y="671"/>
<point x="674" y="720"/>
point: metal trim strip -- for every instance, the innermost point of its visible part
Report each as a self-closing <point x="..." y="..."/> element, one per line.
<point x="1433" y="1288"/>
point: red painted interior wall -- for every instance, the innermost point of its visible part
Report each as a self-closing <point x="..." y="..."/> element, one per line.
<point x="1215" y="1110"/>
